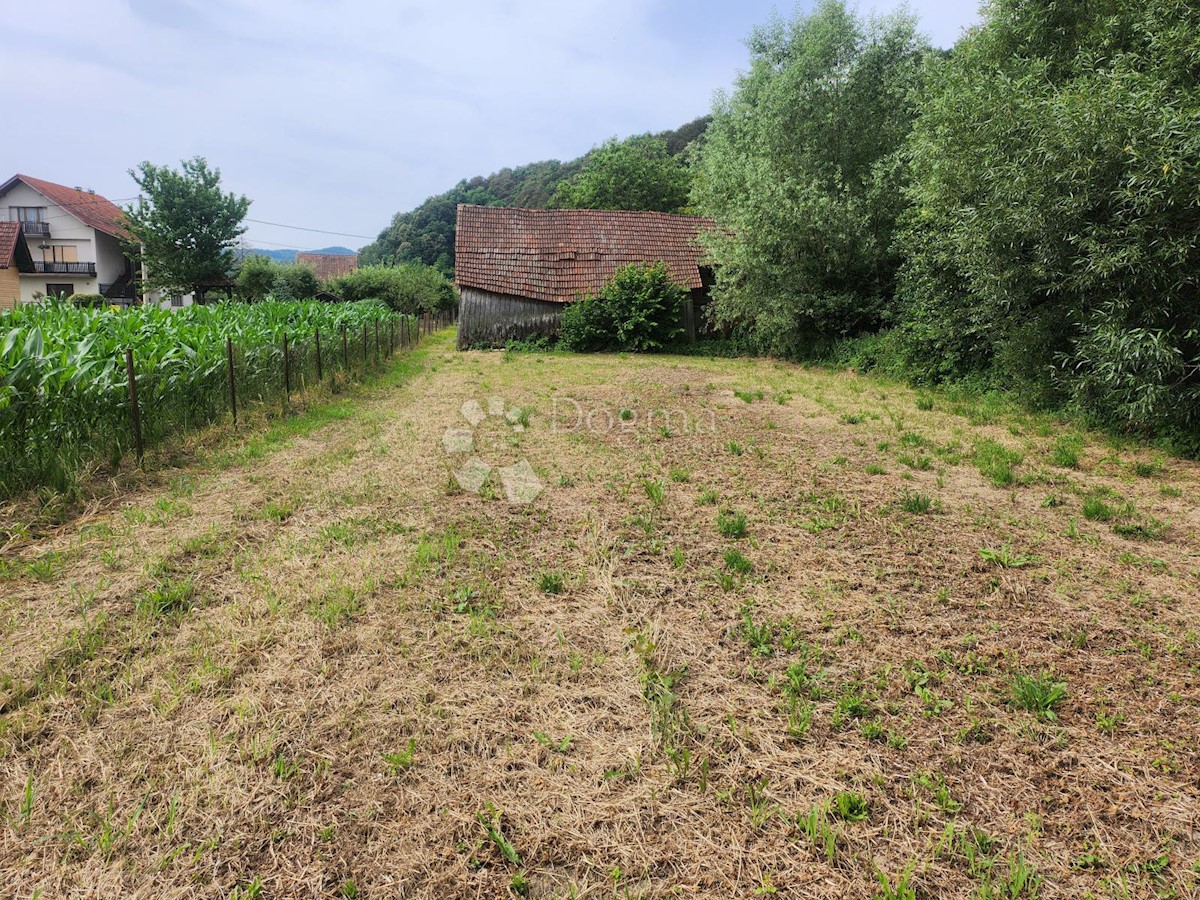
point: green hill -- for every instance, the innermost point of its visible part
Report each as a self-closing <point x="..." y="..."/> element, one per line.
<point x="426" y="234"/>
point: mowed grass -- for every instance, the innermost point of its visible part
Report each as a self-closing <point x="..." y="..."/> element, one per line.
<point x="897" y="645"/>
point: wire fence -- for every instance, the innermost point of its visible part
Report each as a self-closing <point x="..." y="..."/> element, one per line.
<point x="135" y="399"/>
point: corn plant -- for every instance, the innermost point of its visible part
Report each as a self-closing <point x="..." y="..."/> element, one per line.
<point x="64" y="395"/>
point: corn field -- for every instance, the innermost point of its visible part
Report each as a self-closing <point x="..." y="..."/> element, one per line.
<point x="64" y="386"/>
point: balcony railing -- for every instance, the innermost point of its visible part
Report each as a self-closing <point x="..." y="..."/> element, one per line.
<point x="65" y="268"/>
<point x="36" y="229"/>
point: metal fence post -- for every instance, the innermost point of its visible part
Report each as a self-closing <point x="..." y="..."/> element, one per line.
<point x="135" y="410"/>
<point x="364" y="345"/>
<point x="345" y="352"/>
<point x="317" y="335"/>
<point x="287" y="370"/>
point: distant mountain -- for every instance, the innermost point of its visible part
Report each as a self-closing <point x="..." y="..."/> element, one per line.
<point x="287" y="256"/>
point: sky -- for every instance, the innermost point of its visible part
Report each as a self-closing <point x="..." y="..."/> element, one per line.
<point x="335" y="114"/>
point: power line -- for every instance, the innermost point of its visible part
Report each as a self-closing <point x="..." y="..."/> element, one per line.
<point x="368" y="237"/>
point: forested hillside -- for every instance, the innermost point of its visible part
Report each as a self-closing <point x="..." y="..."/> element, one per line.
<point x="426" y="234"/>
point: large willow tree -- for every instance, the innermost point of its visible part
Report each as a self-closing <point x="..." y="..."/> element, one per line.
<point x="1055" y="232"/>
<point x="801" y="167"/>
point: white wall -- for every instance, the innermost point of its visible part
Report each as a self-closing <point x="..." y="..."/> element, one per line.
<point x="110" y="261"/>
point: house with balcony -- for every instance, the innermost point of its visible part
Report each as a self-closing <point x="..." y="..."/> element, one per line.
<point x="73" y="238"/>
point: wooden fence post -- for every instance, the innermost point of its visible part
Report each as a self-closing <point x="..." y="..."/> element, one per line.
<point x="287" y="370"/>
<point x="364" y="345"/>
<point x="135" y="410"/>
<point x="345" y="352"/>
<point x="232" y="389"/>
<point x="318" y="337"/>
<point x="376" y="342"/>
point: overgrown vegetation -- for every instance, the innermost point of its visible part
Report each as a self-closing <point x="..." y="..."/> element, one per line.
<point x="1019" y="212"/>
<point x="260" y="277"/>
<point x="802" y="167"/>
<point x="410" y="288"/>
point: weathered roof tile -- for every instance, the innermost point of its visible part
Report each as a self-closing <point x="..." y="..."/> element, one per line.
<point x="329" y="265"/>
<point x="561" y="255"/>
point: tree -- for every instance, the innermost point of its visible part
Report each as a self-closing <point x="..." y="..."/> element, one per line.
<point x="295" y="281"/>
<point x="1054" y="238"/>
<point x="255" y="277"/>
<point x="637" y="173"/>
<point x="410" y="288"/>
<point x="802" y="167"/>
<point x="185" y="224"/>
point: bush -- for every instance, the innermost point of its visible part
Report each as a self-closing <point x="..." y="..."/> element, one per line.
<point x="260" y="277"/>
<point x="255" y="278"/>
<point x="294" y="281"/>
<point x="89" y="299"/>
<point x="640" y="311"/>
<point x="410" y="288"/>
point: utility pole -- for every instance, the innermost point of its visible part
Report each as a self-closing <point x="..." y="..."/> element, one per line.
<point x="145" y="296"/>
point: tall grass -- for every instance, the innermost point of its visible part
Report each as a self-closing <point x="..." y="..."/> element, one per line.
<point x="64" y="402"/>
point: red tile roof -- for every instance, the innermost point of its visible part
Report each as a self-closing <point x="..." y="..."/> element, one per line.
<point x="90" y="209"/>
<point x="561" y="255"/>
<point x="329" y="265"/>
<point x="10" y="233"/>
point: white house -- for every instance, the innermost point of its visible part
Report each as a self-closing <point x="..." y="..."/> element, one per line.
<point x="74" y="239"/>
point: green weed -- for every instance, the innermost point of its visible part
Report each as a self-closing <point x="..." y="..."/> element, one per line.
<point x="1066" y="451"/>
<point x="401" y="761"/>
<point x="731" y="523"/>
<point x="1038" y="694"/>
<point x="1005" y="558"/>
<point x="996" y="462"/>
<point x="169" y="598"/>
<point x="737" y="563"/>
<point x="916" y="503"/>
<point x="551" y="582"/>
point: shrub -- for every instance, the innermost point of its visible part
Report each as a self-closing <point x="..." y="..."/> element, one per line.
<point x="410" y="288"/>
<point x="255" y="278"/>
<point x="260" y="277"/>
<point x="640" y="311"/>
<point x="295" y="282"/>
<point x="89" y="299"/>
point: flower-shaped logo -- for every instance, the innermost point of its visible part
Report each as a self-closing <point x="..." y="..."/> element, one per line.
<point x="521" y="484"/>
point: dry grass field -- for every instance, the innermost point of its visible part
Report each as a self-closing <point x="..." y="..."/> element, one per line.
<point x="765" y="630"/>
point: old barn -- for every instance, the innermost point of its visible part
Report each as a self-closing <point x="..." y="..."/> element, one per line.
<point x="517" y="268"/>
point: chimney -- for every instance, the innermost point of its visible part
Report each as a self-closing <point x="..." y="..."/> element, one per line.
<point x="78" y="188"/>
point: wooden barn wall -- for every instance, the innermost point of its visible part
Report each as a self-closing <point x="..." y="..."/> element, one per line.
<point x="487" y="319"/>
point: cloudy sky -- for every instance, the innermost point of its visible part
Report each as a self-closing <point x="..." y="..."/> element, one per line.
<point x="334" y="116"/>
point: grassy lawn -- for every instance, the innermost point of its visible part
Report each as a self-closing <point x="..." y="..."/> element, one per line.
<point x="763" y="629"/>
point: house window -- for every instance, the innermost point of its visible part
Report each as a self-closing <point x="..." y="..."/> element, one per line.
<point x="26" y="213"/>
<point x="177" y="299"/>
<point x="61" y="253"/>
<point x="60" y="290"/>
